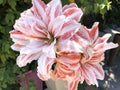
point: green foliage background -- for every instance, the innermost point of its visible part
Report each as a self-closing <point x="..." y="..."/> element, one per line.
<point x="10" y="11"/>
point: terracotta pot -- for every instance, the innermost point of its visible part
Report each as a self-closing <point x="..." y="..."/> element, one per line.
<point x="28" y="76"/>
<point x="56" y="84"/>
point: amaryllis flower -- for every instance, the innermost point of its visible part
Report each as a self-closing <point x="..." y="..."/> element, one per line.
<point x="82" y="60"/>
<point x="39" y="30"/>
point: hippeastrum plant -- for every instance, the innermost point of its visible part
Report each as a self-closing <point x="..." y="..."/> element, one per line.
<point x="63" y="48"/>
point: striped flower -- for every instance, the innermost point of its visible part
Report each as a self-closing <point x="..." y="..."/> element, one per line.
<point x="40" y="29"/>
<point x="80" y="60"/>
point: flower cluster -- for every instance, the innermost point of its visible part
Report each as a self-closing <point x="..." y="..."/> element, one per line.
<point x="63" y="48"/>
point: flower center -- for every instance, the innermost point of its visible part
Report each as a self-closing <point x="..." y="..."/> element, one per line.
<point x="51" y="38"/>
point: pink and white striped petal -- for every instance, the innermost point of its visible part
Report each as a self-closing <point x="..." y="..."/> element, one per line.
<point x="44" y="67"/>
<point x="19" y="37"/>
<point x="17" y="47"/>
<point x="39" y="9"/>
<point x="72" y="12"/>
<point x="24" y="59"/>
<point x="54" y="9"/>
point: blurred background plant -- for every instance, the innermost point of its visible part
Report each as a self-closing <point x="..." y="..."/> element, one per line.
<point x="9" y="11"/>
<point x="104" y="11"/>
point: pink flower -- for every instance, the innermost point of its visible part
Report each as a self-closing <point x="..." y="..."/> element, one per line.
<point x="80" y="59"/>
<point x="40" y="29"/>
<point x="64" y="48"/>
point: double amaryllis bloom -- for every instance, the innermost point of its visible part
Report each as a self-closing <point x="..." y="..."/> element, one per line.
<point x="65" y="49"/>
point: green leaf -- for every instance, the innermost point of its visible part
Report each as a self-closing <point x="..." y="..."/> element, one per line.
<point x="9" y="18"/>
<point x="0" y="88"/>
<point x="1" y="77"/>
<point x="4" y="2"/>
<point x="103" y="11"/>
<point x="102" y="6"/>
<point x="96" y="8"/>
<point x="22" y="88"/>
<point x="4" y="85"/>
<point x="109" y="5"/>
<point x="3" y="58"/>
<point x="12" y="3"/>
<point x="1" y="1"/>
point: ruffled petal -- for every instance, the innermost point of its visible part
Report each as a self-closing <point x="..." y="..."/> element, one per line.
<point x="85" y="36"/>
<point x="94" y="32"/>
<point x="70" y="46"/>
<point x="67" y="66"/>
<point x="98" y="70"/>
<point x="17" y="47"/>
<point x="70" y="27"/>
<point x="89" y="75"/>
<point x="33" y="47"/>
<point x="102" y="40"/>
<point x="74" y="80"/>
<point x="71" y="60"/>
<point x="97" y="58"/>
<point x="72" y="12"/>
<point x="23" y="24"/>
<point x="101" y="44"/>
<point x="61" y="71"/>
<point x="73" y="85"/>
<point x="54" y="9"/>
<point x="24" y="59"/>
<point x="82" y="37"/>
<point x="56" y="25"/>
<point x="44" y="67"/>
<point x="39" y="30"/>
<point x="30" y="25"/>
<point x="30" y="52"/>
<point x="92" y="72"/>
<point x="50" y="49"/>
<point x="39" y="9"/>
<point x="18" y="37"/>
